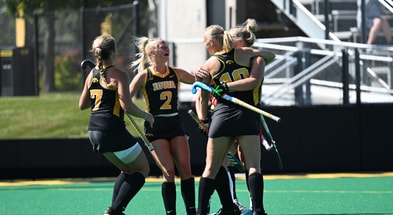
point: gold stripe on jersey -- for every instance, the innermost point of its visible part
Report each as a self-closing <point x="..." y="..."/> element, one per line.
<point x="222" y="68"/>
<point x="257" y="94"/>
<point x="144" y="92"/>
<point x="116" y="108"/>
<point x="146" y="97"/>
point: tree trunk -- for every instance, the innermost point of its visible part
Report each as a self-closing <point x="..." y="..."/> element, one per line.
<point x="49" y="53"/>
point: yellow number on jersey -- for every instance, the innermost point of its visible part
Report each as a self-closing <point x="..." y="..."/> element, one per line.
<point x="235" y="75"/>
<point x="97" y="95"/>
<point x="166" y="96"/>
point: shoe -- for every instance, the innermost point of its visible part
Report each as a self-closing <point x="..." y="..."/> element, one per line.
<point x="248" y="212"/>
<point x="232" y="211"/>
<point x="241" y="207"/>
<point x="109" y="211"/>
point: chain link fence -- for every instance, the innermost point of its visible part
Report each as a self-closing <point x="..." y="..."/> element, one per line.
<point x="61" y="39"/>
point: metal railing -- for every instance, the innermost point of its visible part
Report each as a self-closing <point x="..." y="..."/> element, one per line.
<point x="305" y="20"/>
<point x="325" y="27"/>
<point x="303" y="74"/>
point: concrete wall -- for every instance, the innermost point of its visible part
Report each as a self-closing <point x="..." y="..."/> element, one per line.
<point x="186" y="21"/>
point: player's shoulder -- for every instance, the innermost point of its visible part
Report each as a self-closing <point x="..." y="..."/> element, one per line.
<point x="247" y="50"/>
<point x="177" y="69"/>
<point x="118" y="73"/>
<point x="117" y="70"/>
<point x="142" y="74"/>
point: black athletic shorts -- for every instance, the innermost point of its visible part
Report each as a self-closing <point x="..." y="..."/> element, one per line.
<point x="105" y="141"/>
<point x="164" y="128"/>
<point x="229" y="120"/>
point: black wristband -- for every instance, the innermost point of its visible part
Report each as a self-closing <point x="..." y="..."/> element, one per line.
<point x="225" y="86"/>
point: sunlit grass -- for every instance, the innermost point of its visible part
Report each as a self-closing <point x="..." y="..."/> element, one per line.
<point x="54" y="115"/>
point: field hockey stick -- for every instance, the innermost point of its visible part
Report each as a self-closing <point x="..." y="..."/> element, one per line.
<point x="265" y="144"/>
<point x="86" y="64"/>
<point x="237" y="101"/>
<point x="272" y="142"/>
<point x="232" y="158"/>
<point x="198" y="121"/>
<point x="147" y="144"/>
<point x="140" y="134"/>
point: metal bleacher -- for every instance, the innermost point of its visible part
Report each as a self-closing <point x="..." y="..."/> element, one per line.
<point x="328" y="66"/>
<point x="338" y="17"/>
<point x="311" y="70"/>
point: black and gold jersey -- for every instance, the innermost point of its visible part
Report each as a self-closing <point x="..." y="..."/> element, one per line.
<point x="232" y="71"/>
<point x="106" y="112"/>
<point x="161" y="92"/>
<point x="228" y="118"/>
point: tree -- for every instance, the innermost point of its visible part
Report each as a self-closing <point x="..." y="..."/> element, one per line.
<point x="46" y="9"/>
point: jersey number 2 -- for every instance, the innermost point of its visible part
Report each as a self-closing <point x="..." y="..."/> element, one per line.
<point x="166" y="96"/>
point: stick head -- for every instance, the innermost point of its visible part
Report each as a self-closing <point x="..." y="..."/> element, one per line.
<point x="193" y="89"/>
<point x="201" y="85"/>
<point x="87" y="63"/>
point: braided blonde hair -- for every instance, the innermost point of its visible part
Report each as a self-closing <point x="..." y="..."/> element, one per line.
<point x="103" y="48"/>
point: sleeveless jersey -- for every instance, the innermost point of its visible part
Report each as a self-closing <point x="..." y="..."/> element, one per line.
<point x="106" y="112"/>
<point x="229" y="119"/>
<point x="232" y="71"/>
<point x="161" y="92"/>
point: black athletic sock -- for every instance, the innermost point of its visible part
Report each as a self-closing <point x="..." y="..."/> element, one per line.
<point x="118" y="183"/>
<point x="223" y="188"/>
<point x="168" y="191"/>
<point x="246" y="175"/>
<point x="248" y="187"/>
<point x="128" y="189"/>
<point x="206" y="189"/>
<point x="255" y="182"/>
<point x="188" y="192"/>
<point x="231" y="170"/>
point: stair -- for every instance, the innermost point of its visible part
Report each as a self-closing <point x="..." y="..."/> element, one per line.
<point x="309" y="16"/>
